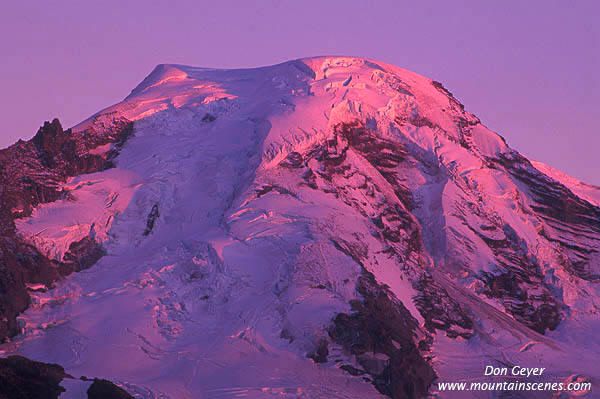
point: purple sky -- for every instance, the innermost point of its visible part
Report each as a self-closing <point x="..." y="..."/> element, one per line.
<point x="528" y="69"/>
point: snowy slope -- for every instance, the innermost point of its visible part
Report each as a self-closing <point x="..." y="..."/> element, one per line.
<point x="251" y="206"/>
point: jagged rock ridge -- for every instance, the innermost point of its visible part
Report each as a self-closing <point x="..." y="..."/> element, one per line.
<point x="32" y="173"/>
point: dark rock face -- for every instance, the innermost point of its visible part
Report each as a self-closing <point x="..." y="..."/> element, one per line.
<point x="56" y="149"/>
<point x="21" y="378"/>
<point x="31" y="173"/>
<point x="20" y="264"/>
<point x="381" y="332"/>
<point x="152" y="216"/>
<point x="319" y="355"/>
<point x="441" y="311"/>
<point x="518" y="277"/>
<point x="104" y="389"/>
<point x="539" y="312"/>
<point x="570" y="222"/>
<point x="209" y="118"/>
<point x="293" y="160"/>
<point x="81" y="255"/>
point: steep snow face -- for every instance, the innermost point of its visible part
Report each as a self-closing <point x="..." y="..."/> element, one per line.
<point x="255" y="215"/>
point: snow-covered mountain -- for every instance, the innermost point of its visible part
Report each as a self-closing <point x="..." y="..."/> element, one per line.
<point x="328" y="227"/>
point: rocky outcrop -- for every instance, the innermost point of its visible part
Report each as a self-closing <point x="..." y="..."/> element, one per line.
<point x="104" y="389"/>
<point x="21" y="378"/>
<point x="440" y="310"/>
<point x="20" y="264"/>
<point x="31" y="173"/>
<point x="382" y="335"/>
<point x="570" y="222"/>
<point x="152" y="216"/>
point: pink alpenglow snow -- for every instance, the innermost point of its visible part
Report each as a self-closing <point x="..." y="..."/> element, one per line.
<point x="326" y="227"/>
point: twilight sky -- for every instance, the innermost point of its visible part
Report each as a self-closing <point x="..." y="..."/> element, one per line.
<point x="528" y="69"/>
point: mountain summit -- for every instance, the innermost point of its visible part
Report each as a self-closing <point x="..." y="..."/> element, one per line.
<point x="326" y="227"/>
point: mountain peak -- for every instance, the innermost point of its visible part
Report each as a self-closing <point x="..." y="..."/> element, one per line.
<point x="345" y="220"/>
